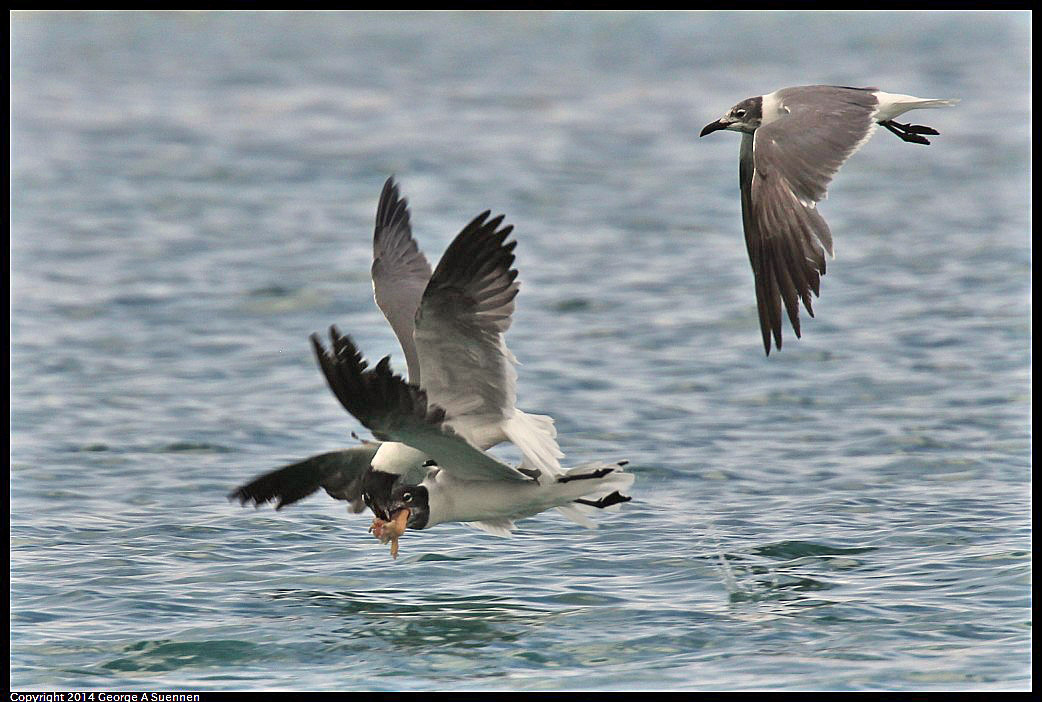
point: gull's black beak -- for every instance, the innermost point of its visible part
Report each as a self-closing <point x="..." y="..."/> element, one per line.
<point x="714" y="126"/>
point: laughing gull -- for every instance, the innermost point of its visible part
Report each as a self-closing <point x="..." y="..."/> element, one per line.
<point x="463" y="482"/>
<point x="793" y="142"/>
<point x="459" y="401"/>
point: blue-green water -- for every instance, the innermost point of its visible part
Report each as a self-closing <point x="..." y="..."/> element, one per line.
<point x="193" y="194"/>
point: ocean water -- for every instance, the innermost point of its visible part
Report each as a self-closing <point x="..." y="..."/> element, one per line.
<point x="192" y="195"/>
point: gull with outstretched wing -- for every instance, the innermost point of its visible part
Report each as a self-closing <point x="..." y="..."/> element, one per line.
<point x="459" y="401"/>
<point x="794" y="141"/>
<point x="463" y="482"/>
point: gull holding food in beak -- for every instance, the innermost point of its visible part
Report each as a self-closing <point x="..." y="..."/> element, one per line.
<point x="431" y="464"/>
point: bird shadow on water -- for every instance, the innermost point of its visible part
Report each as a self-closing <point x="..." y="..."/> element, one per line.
<point x="404" y="621"/>
<point x="343" y="628"/>
<point x="166" y="655"/>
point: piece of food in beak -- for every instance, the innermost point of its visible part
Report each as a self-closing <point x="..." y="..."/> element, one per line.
<point x="390" y="531"/>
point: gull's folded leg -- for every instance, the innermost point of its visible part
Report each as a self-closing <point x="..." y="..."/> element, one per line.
<point x="909" y="132"/>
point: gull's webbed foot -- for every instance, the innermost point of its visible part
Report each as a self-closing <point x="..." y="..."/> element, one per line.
<point x="910" y="132"/>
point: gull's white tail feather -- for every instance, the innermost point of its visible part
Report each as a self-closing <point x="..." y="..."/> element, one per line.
<point x="617" y="479"/>
<point x="594" y="489"/>
<point x="536" y="436"/>
<point x="892" y="105"/>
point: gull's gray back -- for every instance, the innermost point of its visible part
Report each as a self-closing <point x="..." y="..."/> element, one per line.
<point x="819" y="127"/>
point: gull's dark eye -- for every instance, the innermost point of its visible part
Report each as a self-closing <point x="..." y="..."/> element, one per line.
<point x="739" y="113"/>
<point x="407" y="497"/>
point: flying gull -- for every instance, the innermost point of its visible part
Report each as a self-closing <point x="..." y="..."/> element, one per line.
<point x="793" y="142"/>
<point x="431" y="465"/>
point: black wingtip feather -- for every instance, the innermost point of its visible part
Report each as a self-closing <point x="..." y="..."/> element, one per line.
<point x="337" y="472"/>
<point x="375" y="397"/>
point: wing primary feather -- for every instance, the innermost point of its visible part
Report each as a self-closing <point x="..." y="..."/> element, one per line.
<point x="400" y="271"/>
<point x="395" y="410"/>
<point x="374" y="397"/>
<point x="338" y="472"/>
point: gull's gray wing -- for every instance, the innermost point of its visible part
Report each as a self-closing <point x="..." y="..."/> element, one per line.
<point x="338" y="472"/>
<point x="465" y="365"/>
<point x="785" y="168"/>
<point x="395" y="410"/>
<point x="400" y="271"/>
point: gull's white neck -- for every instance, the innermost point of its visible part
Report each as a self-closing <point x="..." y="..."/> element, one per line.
<point x="398" y="459"/>
<point x="771" y="108"/>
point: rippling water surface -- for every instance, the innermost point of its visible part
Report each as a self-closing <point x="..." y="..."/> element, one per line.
<point x="193" y="194"/>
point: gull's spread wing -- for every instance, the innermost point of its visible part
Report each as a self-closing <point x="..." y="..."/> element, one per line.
<point x="395" y="410"/>
<point x="785" y="168"/>
<point x="338" y="472"/>
<point x="400" y="271"/>
<point x="465" y="365"/>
